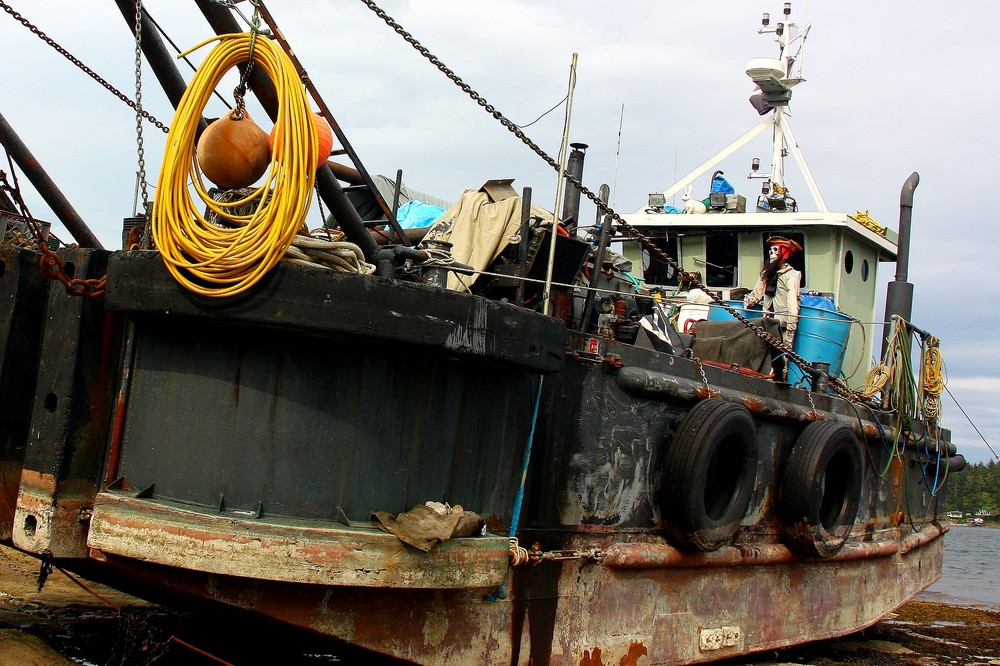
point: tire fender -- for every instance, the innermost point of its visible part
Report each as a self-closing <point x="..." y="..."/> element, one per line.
<point x="710" y="471"/>
<point x="821" y="489"/>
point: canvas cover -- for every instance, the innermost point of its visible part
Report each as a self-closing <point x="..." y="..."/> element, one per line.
<point x="479" y="229"/>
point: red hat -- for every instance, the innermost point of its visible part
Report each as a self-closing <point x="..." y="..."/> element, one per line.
<point x="789" y="246"/>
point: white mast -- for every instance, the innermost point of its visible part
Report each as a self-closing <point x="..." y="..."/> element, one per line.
<point x="775" y="78"/>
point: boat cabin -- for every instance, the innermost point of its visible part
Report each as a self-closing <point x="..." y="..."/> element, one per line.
<point x="840" y="260"/>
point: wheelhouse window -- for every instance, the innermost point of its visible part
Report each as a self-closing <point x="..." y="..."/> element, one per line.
<point x="721" y="259"/>
<point x="655" y="271"/>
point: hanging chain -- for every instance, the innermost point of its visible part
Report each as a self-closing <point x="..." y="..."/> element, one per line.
<point x="138" y="107"/>
<point x="241" y="88"/>
<point x="601" y="205"/>
<point x="86" y="70"/>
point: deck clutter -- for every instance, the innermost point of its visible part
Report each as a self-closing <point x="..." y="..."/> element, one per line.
<point x="504" y="437"/>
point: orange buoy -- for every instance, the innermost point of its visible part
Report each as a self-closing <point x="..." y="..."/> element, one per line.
<point x="324" y="136"/>
<point x="233" y="153"/>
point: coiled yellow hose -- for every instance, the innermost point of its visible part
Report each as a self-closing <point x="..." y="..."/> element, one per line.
<point x="208" y="259"/>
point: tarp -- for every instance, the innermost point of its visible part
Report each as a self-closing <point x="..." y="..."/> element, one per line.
<point x="426" y="525"/>
<point x="387" y="188"/>
<point x="731" y="342"/>
<point x="416" y="214"/>
<point x="479" y="229"/>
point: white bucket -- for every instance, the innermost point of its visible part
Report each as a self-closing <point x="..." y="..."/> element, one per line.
<point x="690" y="313"/>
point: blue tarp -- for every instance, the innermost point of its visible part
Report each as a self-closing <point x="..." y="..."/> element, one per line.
<point x="417" y="214"/>
<point x="720" y="184"/>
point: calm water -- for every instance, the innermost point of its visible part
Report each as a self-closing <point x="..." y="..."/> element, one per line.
<point x="971" y="568"/>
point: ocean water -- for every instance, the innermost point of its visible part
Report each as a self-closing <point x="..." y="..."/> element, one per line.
<point x="969" y="574"/>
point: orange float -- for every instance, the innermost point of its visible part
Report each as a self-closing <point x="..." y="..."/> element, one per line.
<point x="233" y="153"/>
<point x="324" y="136"/>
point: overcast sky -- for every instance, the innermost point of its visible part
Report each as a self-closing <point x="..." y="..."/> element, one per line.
<point x="892" y="87"/>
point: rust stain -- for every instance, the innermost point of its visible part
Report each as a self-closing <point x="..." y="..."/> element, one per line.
<point x="635" y="650"/>
<point x="592" y="659"/>
<point x="614" y="362"/>
<point x="753" y="403"/>
<point x="38" y="483"/>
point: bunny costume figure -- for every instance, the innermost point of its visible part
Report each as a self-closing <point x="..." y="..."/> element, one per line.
<point x="692" y="205"/>
<point x="778" y="287"/>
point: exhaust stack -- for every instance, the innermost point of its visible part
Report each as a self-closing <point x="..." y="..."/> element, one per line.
<point x="571" y="206"/>
<point x="899" y="295"/>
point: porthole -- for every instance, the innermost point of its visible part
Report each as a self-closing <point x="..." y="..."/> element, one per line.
<point x="864" y="270"/>
<point x="849" y="262"/>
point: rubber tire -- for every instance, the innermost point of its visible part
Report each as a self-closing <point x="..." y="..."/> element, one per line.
<point x="710" y="471"/>
<point x="821" y="492"/>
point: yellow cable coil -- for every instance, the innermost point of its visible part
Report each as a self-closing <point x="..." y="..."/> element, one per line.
<point x="215" y="261"/>
<point x="933" y="379"/>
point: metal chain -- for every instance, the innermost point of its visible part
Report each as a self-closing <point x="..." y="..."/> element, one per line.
<point x="601" y="205"/>
<point x="88" y="71"/>
<point x="241" y="87"/>
<point x="138" y="107"/>
<point x="704" y="378"/>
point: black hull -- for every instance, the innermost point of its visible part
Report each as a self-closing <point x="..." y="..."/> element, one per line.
<point x="234" y="451"/>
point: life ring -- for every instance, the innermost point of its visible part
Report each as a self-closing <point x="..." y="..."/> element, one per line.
<point x="710" y="470"/>
<point x="821" y="489"/>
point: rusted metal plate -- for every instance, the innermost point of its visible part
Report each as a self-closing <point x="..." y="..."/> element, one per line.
<point x="303" y="426"/>
<point x="290" y="551"/>
<point x="52" y="516"/>
<point x="71" y="414"/>
<point x="571" y="613"/>
<point x="23" y="295"/>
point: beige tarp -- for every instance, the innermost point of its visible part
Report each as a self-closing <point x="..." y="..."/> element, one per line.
<point x="479" y="229"/>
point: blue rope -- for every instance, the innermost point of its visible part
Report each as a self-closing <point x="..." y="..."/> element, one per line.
<point x="501" y="591"/>
<point x="524" y="463"/>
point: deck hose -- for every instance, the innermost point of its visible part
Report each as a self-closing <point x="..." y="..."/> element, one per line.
<point x="218" y="261"/>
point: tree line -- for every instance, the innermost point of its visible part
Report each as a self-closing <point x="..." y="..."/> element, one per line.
<point x="976" y="488"/>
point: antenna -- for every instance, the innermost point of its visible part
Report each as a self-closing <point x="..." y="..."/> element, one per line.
<point x="618" y="152"/>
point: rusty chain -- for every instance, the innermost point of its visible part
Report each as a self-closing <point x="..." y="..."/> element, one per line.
<point x="76" y="61"/>
<point x="50" y="263"/>
<point x="836" y="384"/>
<point x="53" y="268"/>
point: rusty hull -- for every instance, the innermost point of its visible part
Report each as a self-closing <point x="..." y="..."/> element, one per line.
<point x="71" y="414"/>
<point x="23" y="297"/>
<point x="571" y="613"/>
<point x="288" y="550"/>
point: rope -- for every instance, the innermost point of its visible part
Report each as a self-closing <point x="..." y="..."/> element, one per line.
<point x="876" y="380"/>
<point x="338" y="255"/>
<point x="213" y="260"/>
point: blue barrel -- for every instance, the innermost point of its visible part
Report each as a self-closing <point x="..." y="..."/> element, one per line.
<point x="821" y="337"/>
<point x="718" y="313"/>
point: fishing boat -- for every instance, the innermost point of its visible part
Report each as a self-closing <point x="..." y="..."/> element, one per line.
<point x="492" y="441"/>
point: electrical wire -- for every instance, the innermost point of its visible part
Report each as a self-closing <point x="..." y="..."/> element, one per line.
<point x="219" y="261"/>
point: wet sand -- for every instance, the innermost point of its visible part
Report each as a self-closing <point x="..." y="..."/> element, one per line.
<point x="65" y="624"/>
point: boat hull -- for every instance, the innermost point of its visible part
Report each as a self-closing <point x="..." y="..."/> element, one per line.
<point x="574" y="612"/>
<point x="234" y="452"/>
